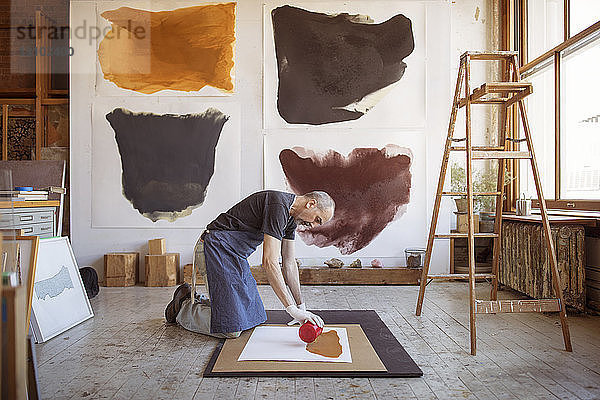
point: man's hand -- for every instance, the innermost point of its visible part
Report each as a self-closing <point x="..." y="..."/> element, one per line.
<point x="302" y="316"/>
<point x="302" y="307"/>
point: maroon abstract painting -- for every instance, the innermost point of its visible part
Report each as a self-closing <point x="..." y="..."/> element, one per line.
<point x="369" y="187"/>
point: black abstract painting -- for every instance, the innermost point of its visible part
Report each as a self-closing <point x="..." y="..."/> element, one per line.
<point x="167" y="160"/>
<point x="336" y="67"/>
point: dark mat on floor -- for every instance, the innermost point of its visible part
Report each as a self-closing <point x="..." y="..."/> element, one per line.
<point x="391" y="353"/>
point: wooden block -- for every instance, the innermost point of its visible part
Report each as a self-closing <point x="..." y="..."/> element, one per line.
<point x="161" y="270"/>
<point x="462" y="223"/>
<point x="323" y="275"/>
<point x="14" y="349"/>
<point x="187" y="275"/>
<point x="157" y="247"/>
<point x="121" y="269"/>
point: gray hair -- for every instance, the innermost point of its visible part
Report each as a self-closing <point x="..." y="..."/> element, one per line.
<point x="323" y="200"/>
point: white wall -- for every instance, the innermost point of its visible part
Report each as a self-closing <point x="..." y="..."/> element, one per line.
<point x="470" y="30"/>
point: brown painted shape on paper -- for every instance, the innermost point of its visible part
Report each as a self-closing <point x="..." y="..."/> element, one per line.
<point x="370" y="187"/>
<point x="326" y="344"/>
<point x="183" y="49"/>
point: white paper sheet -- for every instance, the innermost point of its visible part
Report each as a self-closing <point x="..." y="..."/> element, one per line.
<point x="282" y="343"/>
<point x="107" y="88"/>
<point x="224" y="187"/>
<point x="405" y="103"/>
<point x="407" y="230"/>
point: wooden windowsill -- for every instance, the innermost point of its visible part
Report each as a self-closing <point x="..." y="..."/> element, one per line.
<point x="555" y="219"/>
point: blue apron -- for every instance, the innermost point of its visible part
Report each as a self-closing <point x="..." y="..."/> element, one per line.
<point x="235" y="302"/>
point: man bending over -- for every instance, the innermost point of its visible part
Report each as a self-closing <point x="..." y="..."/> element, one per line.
<point x="234" y="305"/>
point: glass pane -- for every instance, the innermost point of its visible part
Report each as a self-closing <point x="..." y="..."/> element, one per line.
<point x="545" y="27"/>
<point x="583" y="13"/>
<point x="540" y="113"/>
<point x="580" y="137"/>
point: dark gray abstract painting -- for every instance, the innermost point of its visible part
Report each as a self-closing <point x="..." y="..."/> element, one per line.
<point x="167" y="160"/>
<point x="334" y="68"/>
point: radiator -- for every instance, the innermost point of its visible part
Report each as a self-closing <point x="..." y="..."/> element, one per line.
<point x="525" y="265"/>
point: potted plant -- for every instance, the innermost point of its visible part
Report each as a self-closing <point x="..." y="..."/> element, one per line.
<point x="458" y="183"/>
<point x="484" y="180"/>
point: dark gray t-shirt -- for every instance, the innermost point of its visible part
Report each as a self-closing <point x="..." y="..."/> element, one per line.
<point x="267" y="212"/>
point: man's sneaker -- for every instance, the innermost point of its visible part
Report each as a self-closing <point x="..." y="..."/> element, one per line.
<point x="181" y="293"/>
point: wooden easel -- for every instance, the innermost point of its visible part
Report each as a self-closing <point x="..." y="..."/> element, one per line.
<point x="505" y="94"/>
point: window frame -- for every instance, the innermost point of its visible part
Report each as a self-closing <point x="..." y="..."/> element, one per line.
<point x="515" y="24"/>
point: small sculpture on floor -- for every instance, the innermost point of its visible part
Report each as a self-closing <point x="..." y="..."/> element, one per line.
<point x="376" y="263"/>
<point x="356" y="264"/>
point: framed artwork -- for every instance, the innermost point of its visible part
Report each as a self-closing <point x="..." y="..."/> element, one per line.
<point x="59" y="301"/>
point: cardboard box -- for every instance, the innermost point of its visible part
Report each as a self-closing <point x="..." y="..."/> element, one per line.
<point x="121" y="269"/>
<point x="462" y="223"/>
<point x="157" y="247"/>
<point x="161" y="270"/>
<point x="187" y="275"/>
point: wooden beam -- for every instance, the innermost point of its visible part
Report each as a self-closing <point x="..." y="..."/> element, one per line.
<point x="512" y="100"/>
<point x="459" y="276"/>
<point x="557" y="128"/>
<point x="14" y="373"/>
<point x="49" y="101"/>
<point x="566" y="19"/>
<point x="58" y="92"/>
<point x="5" y="132"/>
<point x="517" y="306"/>
<point x="523" y="50"/>
<point x="21" y="114"/>
<point x="30" y="203"/>
<point x="17" y="101"/>
<point x="590" y="205"/>
<point x="323" y="275"/>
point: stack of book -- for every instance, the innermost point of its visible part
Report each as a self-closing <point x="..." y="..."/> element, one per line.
<point x="23" y="195"/>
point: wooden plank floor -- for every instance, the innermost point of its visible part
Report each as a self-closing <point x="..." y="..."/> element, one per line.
<point x="127" y="352"/>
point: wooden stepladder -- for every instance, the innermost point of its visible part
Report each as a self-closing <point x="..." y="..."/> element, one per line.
<point x="504" y="94"/>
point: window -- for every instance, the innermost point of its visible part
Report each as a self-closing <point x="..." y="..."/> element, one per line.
<point x="544" y="26"/>
<point x="582" y="14"/>
<point x="563" y="111"/>
<point x="540" y="113"/>
<point x="580" y="118"/>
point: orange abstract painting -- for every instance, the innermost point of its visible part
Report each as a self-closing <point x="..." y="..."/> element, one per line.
<point x="183" y="49"/>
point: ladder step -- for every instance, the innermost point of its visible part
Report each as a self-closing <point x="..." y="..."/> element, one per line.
<point x="515" y="306"/>
<point x="474" y="193"/>
<point x="486" y="155"/>
<point x="476" y="148"/>
<point x="488" y="55"/>
<point x="510" y="92"/>
<point x="484" y="100"/>
<point x="464" y="235"/>
<point x="459" y="276"/>
<point x="504" y="87"/>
